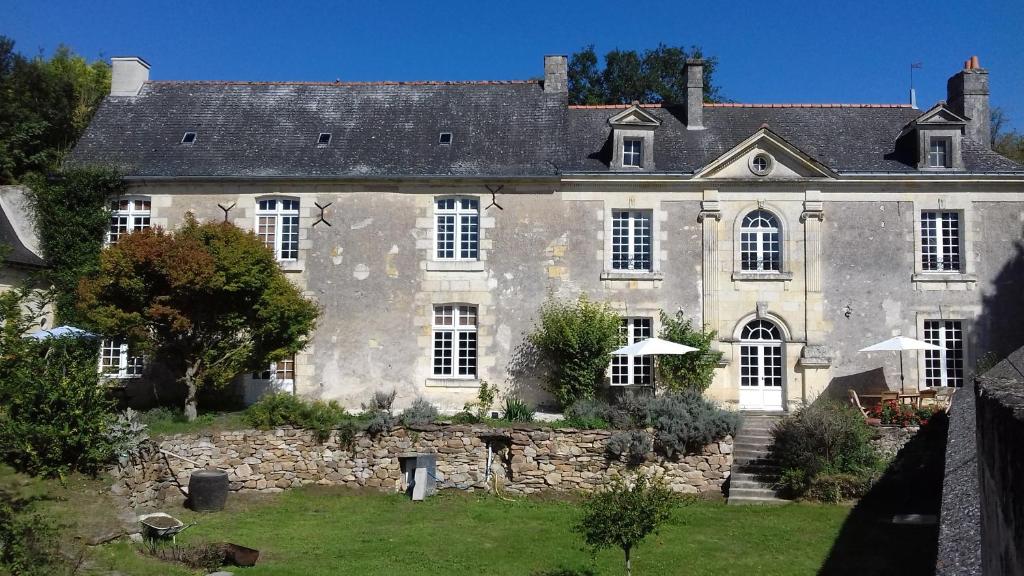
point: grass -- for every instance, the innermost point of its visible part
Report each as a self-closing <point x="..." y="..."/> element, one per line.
<point x="166" y="422"/>
<point x="320" y="530"/>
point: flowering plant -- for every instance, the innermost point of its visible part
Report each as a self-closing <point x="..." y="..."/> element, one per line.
<point x="893" y="413"/>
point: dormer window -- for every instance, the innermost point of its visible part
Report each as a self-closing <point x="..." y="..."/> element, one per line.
<point x="938" y="153"/>
<point x="632" y="152"/>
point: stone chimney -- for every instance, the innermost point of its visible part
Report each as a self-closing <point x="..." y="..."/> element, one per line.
<point x="967" y="95"/>
<point x="127" y="75"/>
<point x="694" y="94"/>
<point x="556" y="74"/>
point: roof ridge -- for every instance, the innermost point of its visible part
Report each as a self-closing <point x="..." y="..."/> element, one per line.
<point x="346" y="83"/>
<point x="736" y="105"/>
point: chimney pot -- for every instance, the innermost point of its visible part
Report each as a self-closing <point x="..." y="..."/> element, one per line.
<point x="127" y="75"/>
<point x="694" y="94"/>
<point x="556" y="74"/>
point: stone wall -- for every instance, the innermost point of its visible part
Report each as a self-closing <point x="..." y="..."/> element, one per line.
<point x="524" y="460"/>
<point x="889" y="440"/>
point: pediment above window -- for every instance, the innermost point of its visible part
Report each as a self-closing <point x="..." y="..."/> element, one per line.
<point x="765" y="155"/>
<point x="935" y="136"/>
<point x="939" y="114"/>
<point x="634" y="117"/>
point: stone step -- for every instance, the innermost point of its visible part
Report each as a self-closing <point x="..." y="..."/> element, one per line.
<point x="749" y="453"/>
<point x="738" y="484"/>
<point x="758" y="438"/>
<point x="756" y="469"/>
<point x="741" y="500"/>
<point x="751" y="493"/>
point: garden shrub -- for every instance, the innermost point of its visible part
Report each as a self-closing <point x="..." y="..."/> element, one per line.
<point x="634" y="445"/>
<point x="281" y="409"/>
<point x="28" y="540"/>
<point x="126" y="433"/>
<point x="380" y="422"/>
<point x="381" y="400"/>
<point x="823" y="439"/>
<point x="478" y="410"/>
<point x="897" y="414"/>
<point x="834" y="488"/>
<point x="588" y="413"/>
<point x="517" y="411"/>
<point x="575" y="339"/>
<point x="420" y="412"/>
<point x="683" y="421"/>
<point x="693" y="371"/>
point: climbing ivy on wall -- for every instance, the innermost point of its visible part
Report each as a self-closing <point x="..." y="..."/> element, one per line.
<point x="71" y="217"/>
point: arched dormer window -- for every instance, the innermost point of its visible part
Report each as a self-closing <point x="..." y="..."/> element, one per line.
<point x="760" y="242"/>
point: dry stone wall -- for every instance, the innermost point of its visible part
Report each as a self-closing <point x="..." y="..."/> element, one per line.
<point x="523" y="460"/>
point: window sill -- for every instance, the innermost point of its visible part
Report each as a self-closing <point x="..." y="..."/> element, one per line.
<point x="290" y="266"/>
<point x="455" y="266"/>
<point x="452" y="383"/>
<point x="944" y="280"/>
<point x="631" y="275"/>
<point x="762" y="276"/>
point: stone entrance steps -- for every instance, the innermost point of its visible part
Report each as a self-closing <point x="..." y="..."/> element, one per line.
<point x="753" y="473"/>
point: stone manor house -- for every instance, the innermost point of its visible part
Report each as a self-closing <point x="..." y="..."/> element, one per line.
<point x="430" y="220"/>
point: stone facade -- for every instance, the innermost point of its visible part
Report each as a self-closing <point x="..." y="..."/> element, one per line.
<point x="524" y="460"/>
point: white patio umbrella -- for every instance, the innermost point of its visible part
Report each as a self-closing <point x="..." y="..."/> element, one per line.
<point x="900" y="343"/>
<point x="61" y="331"/>
<point x="653" y="347"/>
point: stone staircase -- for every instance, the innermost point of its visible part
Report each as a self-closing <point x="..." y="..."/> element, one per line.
<point x="752" y="471"/>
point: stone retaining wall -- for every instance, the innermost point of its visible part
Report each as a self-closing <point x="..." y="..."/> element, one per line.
<point x="889" y="440"/>
<point x="524" y="460"/>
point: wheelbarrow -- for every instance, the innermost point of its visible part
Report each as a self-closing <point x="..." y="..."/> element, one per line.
<point x="160" y="525"/>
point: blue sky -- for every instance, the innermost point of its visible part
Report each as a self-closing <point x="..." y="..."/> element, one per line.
<point x="778" y="51"/>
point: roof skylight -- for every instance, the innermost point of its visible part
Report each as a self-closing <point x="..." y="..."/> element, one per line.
<point x="445" y="138"/>
<point x="323" y="139"/>
<point x="188" y="138"/>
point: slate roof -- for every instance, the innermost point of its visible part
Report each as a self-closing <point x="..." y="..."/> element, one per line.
<point x="15" y="229"/>
<point x="500" y="129"/>
<point x="846" y="138"/>
<point x="378" y="129"/>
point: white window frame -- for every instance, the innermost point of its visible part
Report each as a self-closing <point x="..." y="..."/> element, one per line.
<point x="941" y="242"/>
<point x="947" y="149"/>
<point x="763" y="236"/>
<point x="944" y="367"/>
<point x="753" y="355"/>
<point x="464" y="218"/>
<point x="629" y="230"/>
<point x="273" y="374"/>
<point x="283" y="212"/>
<point x="127" y="215"/>
<point x="632" y="158"/>
<point x="629" y="370"/>
<point x="127" y="366"/>
<point x="463" y="338"/>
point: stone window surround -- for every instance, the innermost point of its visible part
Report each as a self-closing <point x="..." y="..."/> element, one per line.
<point x="484" y="338"/>
<point x="954" y="156"/>
<point x="247" y="206"/>
<point x="741" y="275"/>
<point x="658" y="215"/>
<point x="645" y="135"/>
<point x="278" y="213"/>
<point x="966" y="314"/>
<point x="430" y="261"/>
<point x="942" y="280"/>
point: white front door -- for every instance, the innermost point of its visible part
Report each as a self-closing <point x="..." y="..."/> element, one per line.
<point x="761" y="367"/>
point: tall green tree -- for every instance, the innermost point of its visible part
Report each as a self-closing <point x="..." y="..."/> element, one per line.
<point x="45" y="105"/>
<point x="1009" y="143"/>
<point x="693" y="371"/>
<point x="207" y="299"/>
<point x="654" y="75"/>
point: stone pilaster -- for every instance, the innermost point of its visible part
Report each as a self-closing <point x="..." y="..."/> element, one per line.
<point x="811" y="218"/>
<point x="710" y="217"/>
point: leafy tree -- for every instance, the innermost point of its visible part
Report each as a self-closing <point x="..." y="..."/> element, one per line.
<point x="1008" y="143"/>
<point x="71" y="217"/>
<point x="54" y="414"/>
<point x="45" y="105"/>
<point x="655" y="75"/>
<point x="693" y="371"/>
<point x="575" y="339"/>
<point x="625" y="513"/>
<point x="208" y="299"/>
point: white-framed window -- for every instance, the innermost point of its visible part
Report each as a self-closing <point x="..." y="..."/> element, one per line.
<point x="116" y="362"/>
<point x="938" y="152"/>
<point x="277" y="225"/>
<point x="281" y="372"/>
<point x="128" y="215"/>
<point x="454" y="337"/>
<point x="633" y="370"/>
<point x="457" y="228"/>
<point x="944" y="367"/>
<point x="760" y="355"/>
<point x="631" y="240"/>
<point x="940" y="241"/>
<point x="760" y="242"/>
<point x="632" y="152"/>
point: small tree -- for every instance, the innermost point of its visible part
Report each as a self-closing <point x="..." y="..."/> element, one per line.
<point x="693" y="371"/>
<point x="575" y="339"/>
<point x="209" y="299"/>
<point x="625" y="513"/>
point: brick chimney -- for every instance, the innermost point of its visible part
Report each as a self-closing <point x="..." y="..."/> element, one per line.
<point x="694" y="94"/>
<point x="967" y="95"/>
<point x="127" y="75"/>
<point x="556" y="74"/>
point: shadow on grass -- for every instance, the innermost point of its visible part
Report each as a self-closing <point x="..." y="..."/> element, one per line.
<point x="869" y="543"/>
<point x="566" y="572"/>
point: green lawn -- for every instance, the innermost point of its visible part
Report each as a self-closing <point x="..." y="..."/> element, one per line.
<point x="336" y="531"/>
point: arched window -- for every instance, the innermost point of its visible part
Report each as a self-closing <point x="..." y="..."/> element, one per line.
<point x="761" y="372"/>
<point x="760" y="242"/>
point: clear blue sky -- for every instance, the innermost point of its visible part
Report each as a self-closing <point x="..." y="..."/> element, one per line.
<point x="769" y="51"/>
